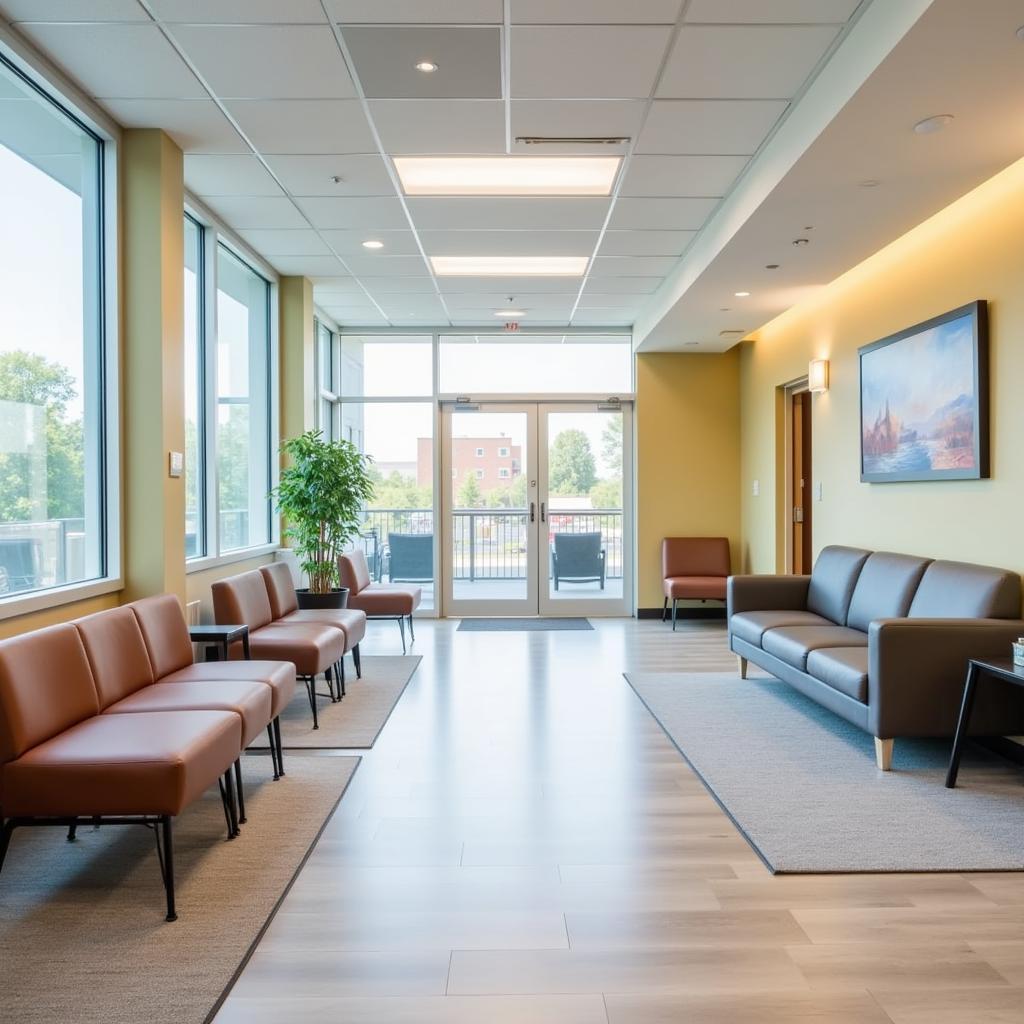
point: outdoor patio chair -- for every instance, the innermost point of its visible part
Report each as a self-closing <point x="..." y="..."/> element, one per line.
<point x="577" y="558"/>
<point x="410" y="557"/>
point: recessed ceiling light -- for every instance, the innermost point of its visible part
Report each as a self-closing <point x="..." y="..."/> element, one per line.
<point x="771" y="266"/>
<point x="869" y="183"/>
<point x="932" y="124"/>
<point x="508" y="175"/>
<point x="801" y="241"/>
<point x="741" y="295"/>
<point x="509" y="312"/>
<point x="690" y="343"/>
<point x="372" y="243"/>
<point x="509" y="266"/>
<point x="426" y="66"/>
<point x="724" y="309"/>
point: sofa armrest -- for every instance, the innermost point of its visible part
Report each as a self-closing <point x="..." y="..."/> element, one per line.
<point x="916" y="672"/>
<point x="766" y="593"/>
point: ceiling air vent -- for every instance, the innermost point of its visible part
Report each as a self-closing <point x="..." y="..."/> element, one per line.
<point x="568" y="140"/>
<point x="731" y="334"/>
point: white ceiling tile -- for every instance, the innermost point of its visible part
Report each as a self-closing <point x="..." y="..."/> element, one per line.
<point x="626" y="303"/>
<point x="440" y="126"/>
<point x="72" y="10"/>
<point x="364" y="175"/>
<point x="375" y="265"/>
<point x="207" y="175"/>
<point x="457" y="300"/>
<point x="506" y="286"/>
<point x="286" y="242"/>
<point x="396" y="243"/>
<point x="686" y="214"/>
<point x="708" y="126"/>
<point x="607" y="62"/>
<point x="603" y="318"/>
<point x="369" y="213"/>
<point x="508" y="214"/>
<point x="390" y="285"/>
<point x="450" y="12"/>
<point x="117" y="60"/>
<point x="247" y="212"/>
<point x="243" y="12"/>
<point x="198" y="126"/>
<point x="419" y="307"/>
<point x="595" y="12"/>
<point x="304" y="126"/>
<point x="575" y="119"/>
<point x="246" y="60"/>
<point x="305" y="266"/>
<point x="622" y="285"/>
<point x="632" y="266"/>
<point x="772" y="11"/>
<point x="645" y="243"/>
<point x="361" y="316"/>
<point x="681" y="175"/>
<point x="509" y="243"/>
<point x="744" y="61"/>
<point x="336" y="288"/>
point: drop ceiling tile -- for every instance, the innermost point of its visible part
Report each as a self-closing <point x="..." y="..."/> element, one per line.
<point x="251" y="212"/>
<point x="111" y="60"/>
<point x="240" y="12"/>
<point x="508" y="214"/>
<point x="251" y="61"/>
<point x="369" y="213"/>
<point x="468" y="61"/>
<point x="575" y="119"/>
<point x="607" y="62"/>
<point x="509" y="243"/>
<point x="603" y="318"/>
<point x="777" y="11"/>
<point x="518" y="286"/>
<point x="437" y="127"/>
<point x="681" y="175"/>
<point x="686" y="214"/>
<point x="451" y="12"/>
<point x="378" y="286"/>
<point x="500" y="300"/>
<point x="72" y="10"/>
<point x="350" y="242"/>
<point x="631" y="266"/>
<point x="368" y="317"/>
<point x="328" y="287"/>
<point x="744" y="61"/>
<point x="305" y="266"/>
<point x="420" y="307"/>
<point x="197" y="126"/>
<point x="625" y="303"/>
<point x="364" y="175"/>
<point x="595" y="12"/>
<point x="286" y="242"/>
<point x="622" y="286"/>
<point x="708" y="126"/>
<point x="304" y="126"/>
<point x="375" y="265"/>
<point x="645" y="243"/>
<point x="207" y="175"/>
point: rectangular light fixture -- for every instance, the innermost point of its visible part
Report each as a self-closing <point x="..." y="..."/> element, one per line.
<point x="507" y="175"/>
<point x="509" y="266"/>
<point x="817" y="376"/>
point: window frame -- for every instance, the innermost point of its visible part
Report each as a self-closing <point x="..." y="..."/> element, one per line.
<point x="202" y="374"/>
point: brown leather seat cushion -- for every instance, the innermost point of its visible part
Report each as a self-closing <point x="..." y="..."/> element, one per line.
<point x="155" y="763"/>
<point x="386" y="599"/>
<point x="165" y="631"/>
<point x="751" y="626"/>
<point x="310" y="648"/>
<point x="792" y="644"/>
<point x="350" y="621"/>
<point x="694" y="587"/>
<point x="278" y="675"/>
<point x="117" y="653"/>
<point x="843" y="668"/>
<point x="250" y="701"/>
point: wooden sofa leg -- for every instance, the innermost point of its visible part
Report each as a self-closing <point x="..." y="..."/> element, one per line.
<point x="883" y="753"/>
<point x="742" y="662"/>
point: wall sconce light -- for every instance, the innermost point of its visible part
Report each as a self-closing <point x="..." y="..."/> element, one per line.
<point x="817" y="376"/>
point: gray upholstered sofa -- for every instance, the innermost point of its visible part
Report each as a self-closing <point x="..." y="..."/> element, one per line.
<point x="883" y="640"/>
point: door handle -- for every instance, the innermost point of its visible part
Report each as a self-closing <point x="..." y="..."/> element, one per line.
<point x="798" y="514"/>
<point x="543" y="513"/>
<point x="533" y="512"/>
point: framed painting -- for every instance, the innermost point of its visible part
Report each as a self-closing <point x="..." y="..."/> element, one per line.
<point x="924" y="400"/>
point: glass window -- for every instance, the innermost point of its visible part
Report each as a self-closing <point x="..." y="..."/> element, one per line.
<point x="243" y="403"/>
<point x="326" y="345"/>
<point x="51" y="344"/>
<point x="377" y="366"/>
<point x="195" y="421"/>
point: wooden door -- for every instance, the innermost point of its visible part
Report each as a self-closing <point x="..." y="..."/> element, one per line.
<point x="800" y="499"/>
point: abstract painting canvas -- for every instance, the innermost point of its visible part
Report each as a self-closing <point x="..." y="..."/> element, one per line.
<point x="924" y="401"/>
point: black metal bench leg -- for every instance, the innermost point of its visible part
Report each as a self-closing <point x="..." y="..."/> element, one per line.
<point x="241" y="793"/>
<point x="273" y="750"/>
<point x="357" y="662"/>
<point x="401" y="629"/>
<point x="664" y="610"/>
<point x="340" y="676"/>
<point x="167" y="865"/>
<point x="412" y="629"/>
<point x="280" y="745"/>
<point x="5" y="840"/>
<point x="674" y="603"/>
<point x="311" y="690"/>
<point x="72" y="831"/>
<point x="227" y="796"/>
<point x="962" y="725"/>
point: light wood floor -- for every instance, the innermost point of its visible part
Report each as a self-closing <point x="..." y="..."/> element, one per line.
<point x="524" y="845"/>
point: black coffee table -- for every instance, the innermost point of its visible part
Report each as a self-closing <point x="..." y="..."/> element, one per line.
<point x="1000" y="668"/>
<point x="223" y="636"/>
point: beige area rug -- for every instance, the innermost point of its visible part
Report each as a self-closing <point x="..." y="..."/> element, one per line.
<point x="356" y="721"/>
<point x="82" y="931"/>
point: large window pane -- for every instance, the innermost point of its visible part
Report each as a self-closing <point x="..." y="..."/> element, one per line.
<point x="243" y="403"/>
<point x="51" y="497"/>
<point x="195" y="448"/>
<point x="379" y="366"/>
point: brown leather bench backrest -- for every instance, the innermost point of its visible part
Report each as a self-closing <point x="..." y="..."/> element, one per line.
<point x="242" y="600"/>
<point x="353" y="570"/>
<point x="166" y="633"/>
<point x="280" y="588"/>
<point x="46" y="686"/>
<point x="695" y="556"/>
<point x="117" y="653"/>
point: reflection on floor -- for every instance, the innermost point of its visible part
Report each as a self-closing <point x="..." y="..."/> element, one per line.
<point x="524" y="844"/>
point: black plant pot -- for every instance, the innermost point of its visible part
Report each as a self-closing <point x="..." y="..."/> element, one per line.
<point x="337" y="598"/>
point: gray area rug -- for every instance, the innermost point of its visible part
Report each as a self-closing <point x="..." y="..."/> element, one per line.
<point x="802" y="786"/>
<point x="522" y="625"/>
<point x="82" y="931"/>
<point x="356" y="721"/>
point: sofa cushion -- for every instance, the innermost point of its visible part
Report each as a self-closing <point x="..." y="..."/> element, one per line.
<point x="885" y="588"/>
<point x="165" y="631"/>
<point x="242" y="599"/>
<point x="117" y="653"/>
<point x="843" y="668"/>
<point x="311" y="648"/>
<point x="751" y="626"/>
<point x="695" y="587"/>
<point x="695" y="556"/>
<point x="278" y="675"/>
<point x="350" y="621"/>
<point x="792" y="644"/>
<point x="960" y="590"/>
<point x="386" y="599"/>
<point x="280" y="588"/>
<point x="832" y="581"/>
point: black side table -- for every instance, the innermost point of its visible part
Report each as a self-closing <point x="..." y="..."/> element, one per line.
<point x="224" y="636"/>
<point x="1001" y="668"/>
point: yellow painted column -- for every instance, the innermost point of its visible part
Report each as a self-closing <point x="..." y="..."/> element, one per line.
<point x="296" y="353"/>
<point x="153" y="361"/>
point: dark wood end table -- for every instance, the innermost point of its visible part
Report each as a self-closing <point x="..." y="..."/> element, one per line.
<point x="222" y="636"/>
<point x="1000" y="668"/>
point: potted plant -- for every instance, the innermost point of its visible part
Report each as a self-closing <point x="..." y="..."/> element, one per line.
<point x="321" y="493"/>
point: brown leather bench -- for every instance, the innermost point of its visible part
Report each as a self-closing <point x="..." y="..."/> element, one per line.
<point x="377" y="600"/>
<point x="693" y="568"/>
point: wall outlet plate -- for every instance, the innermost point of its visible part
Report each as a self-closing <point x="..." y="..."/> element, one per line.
<point x="175" y="464"/>
<point x="757" y="488"/>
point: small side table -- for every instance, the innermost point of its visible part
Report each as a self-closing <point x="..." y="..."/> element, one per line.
<point x="224" y="636"/>
<point x="1000" y="668"/>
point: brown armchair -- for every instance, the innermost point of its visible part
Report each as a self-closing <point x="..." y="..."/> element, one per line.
<point x="693" y="568"/>
<point x="378" y="600"/>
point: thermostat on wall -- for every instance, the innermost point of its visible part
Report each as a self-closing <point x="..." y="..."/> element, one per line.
<point x="175" y="463"/>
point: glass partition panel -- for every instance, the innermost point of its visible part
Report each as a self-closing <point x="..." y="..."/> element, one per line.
<point x="386" y="366"/>
<point x="195" y="448"/>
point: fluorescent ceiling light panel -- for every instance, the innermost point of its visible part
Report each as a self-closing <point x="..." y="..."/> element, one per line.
<point x="509" y="266"/>
<point x="508" y="175"/>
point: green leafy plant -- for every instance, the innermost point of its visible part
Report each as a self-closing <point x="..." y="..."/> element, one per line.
<point x="321" y="494"/>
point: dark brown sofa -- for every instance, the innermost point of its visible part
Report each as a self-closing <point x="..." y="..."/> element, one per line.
<point x="883" y="639"/>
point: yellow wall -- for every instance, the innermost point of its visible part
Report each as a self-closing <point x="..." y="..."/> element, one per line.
<point x="971" y="250"/>
<point x="687" y="445"/>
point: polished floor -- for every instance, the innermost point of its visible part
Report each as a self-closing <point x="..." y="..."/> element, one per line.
<point x="523" y="844"/>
